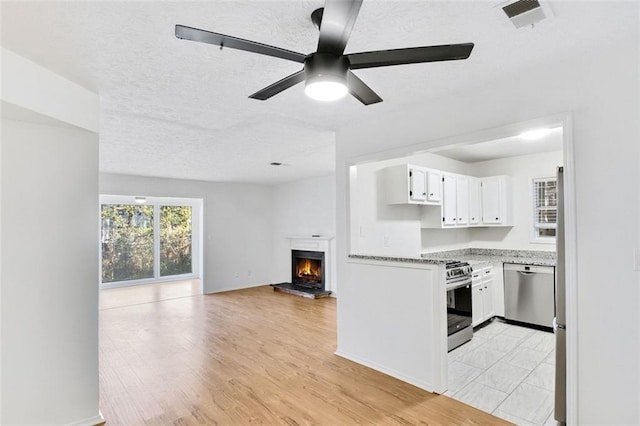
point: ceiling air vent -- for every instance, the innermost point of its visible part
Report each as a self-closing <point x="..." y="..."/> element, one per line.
<point x="526" y="12"/>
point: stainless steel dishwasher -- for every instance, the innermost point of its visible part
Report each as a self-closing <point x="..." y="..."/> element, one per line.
<point x="529" y="294"/>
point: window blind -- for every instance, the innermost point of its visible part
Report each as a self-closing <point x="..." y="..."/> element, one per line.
<point x="545" y="207"/>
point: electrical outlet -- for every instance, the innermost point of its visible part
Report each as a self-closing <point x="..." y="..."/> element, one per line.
<point x="387" y="241"/>
<point x="363" y="231"/>
<point x="249" y="273"/>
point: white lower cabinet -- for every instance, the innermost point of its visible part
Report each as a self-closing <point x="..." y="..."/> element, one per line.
<point x="476" y="304"/>
<point x="498" y="290"/>
<point x="482" y="296"/>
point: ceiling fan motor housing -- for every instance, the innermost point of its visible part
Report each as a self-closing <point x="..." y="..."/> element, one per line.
<point x="326" y="66"/>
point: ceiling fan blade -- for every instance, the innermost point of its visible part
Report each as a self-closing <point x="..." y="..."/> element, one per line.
<point x="338" y="19"/>
<point x="195" y="34"/>
<point x="411" y="55"/>
<point x="361" y="91"/>
<point x="279" y="86"/>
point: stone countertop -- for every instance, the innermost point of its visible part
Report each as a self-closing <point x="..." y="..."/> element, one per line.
<point x="473" y="255"/>
<point x="527" y="257"/>
<point x="429" y="261"/>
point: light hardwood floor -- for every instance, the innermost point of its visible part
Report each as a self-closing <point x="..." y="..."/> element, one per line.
<point x="249" y="356"/>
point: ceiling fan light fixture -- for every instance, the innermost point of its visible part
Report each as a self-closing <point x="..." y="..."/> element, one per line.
<point x="326" y="77"/>
<point x="325" y="88"/>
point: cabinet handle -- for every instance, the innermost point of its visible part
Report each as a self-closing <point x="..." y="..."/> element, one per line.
<point x="431" y="194"/>
<point x="497" y="218"/>
<point x="459" y="218"/>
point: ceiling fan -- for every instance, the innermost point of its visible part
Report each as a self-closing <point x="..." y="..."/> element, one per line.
<point x="328" y="71"/>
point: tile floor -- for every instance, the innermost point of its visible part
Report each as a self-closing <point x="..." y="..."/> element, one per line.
<point x="506" y="370"/>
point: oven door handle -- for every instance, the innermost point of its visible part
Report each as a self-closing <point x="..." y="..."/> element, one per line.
<point x="455" y="286"/>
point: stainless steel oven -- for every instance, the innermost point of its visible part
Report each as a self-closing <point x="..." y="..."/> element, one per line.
<point x="459" y="313"/>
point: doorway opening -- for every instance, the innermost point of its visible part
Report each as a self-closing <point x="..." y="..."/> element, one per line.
<point x="381" y="206"/>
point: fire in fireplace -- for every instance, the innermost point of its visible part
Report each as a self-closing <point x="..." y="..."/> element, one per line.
<point x="307" y="268"/>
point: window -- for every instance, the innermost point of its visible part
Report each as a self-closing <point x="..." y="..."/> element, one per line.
<point x="127" y="242"/>
<point x="175" y="240"/>
<point x="545" y="209"/>
<point x="148" y="239"/>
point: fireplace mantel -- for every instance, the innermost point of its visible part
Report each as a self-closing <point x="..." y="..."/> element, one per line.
<point x="309" y="237"/>
<point x="307" y="242"/>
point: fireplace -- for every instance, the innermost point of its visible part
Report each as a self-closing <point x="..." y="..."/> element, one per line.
<point x="307" y="269"/>
<point x="311" y="268"/>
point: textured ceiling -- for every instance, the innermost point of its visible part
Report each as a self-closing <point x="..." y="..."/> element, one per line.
<point x="180" y="109"/>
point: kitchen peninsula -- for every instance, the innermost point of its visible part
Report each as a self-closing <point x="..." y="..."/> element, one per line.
<point x="402" y="302"/>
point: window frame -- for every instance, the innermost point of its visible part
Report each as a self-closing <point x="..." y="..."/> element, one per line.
<point x="535" y="235"/>
<point x="196" y="238"/>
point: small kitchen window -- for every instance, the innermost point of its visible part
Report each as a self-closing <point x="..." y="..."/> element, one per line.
<point x="545" y="209"/>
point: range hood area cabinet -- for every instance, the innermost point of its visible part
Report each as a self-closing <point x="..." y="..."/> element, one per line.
<point x="409" y="184"/>
<point x="470" y="202"/>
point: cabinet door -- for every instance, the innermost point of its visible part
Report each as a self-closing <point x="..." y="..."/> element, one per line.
<point x="498" y="290"/>
<point x="487" y="300"/>
<point x="491" y="200"/>
<point x="462" y="200"/>
<point x="417" y="185"/>
<point x="449" y="217"/>
<point x="434" y="186"/>
<point x="477" y="315"/>
<point x="474" y="201"/>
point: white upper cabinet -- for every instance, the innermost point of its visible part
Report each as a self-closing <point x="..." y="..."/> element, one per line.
<point x="417" y="184"/>
<point x="496" y="201"/>
<point x="449" y="201"/>
<point x="462" y="200"/>
<point x="434" y="186"/>
<point x="409" y="184"/>
<point x="455" y="204"/>
<point x="475" y="202"/>
<point x="459" y="200"/>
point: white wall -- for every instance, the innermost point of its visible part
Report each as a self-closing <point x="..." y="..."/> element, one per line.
<point x="522" y="170"/>
<point x="49" y="304"/>
<point x="302" y="208"/>
<point x="391" y="230"/>
<point x="238" y="225"/>
<point x="602" y="93"/>
<point x="49" y="179"/>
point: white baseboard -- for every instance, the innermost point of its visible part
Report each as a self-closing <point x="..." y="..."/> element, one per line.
<point x="91" y="421"/>
<point x="240" y="287"/>
<point x="388" y="371"/>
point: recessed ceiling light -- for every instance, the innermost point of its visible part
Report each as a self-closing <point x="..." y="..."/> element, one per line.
<point x="532" y="135"/>
<point x="140" y="200"/>
<point x="275" y="163"/>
